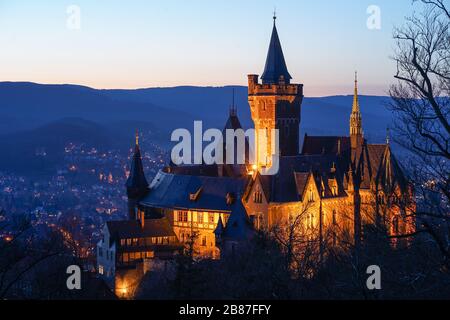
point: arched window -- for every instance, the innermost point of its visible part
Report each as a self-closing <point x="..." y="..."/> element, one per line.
<point x="334" y="217"/>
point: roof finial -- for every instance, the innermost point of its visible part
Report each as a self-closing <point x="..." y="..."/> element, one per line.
<point x="274" y="14"/>
<point x="137" y="137"/>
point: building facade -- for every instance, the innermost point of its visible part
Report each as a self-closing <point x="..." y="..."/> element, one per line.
<point x="333" y="188"/>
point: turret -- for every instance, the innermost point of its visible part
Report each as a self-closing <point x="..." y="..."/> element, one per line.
<point x="275" y="104"/>
<point x="137" y="185"/>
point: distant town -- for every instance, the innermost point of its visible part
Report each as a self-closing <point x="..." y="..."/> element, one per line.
<point x="65" y="202"/>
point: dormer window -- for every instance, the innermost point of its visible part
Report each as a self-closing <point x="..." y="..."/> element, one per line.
<point x="334" y="190"/>
<point x="311" y="195"/>
<point x="257" y="196"/>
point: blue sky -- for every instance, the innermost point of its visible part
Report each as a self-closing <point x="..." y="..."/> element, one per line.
<point x="132" y="44"/>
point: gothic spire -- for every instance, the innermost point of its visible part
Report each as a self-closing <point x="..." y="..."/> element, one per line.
<point x="356" y="131"/>
<point x="275" y="64"/>
<point x="136" y="180"/>
<point x="355" y="107"/>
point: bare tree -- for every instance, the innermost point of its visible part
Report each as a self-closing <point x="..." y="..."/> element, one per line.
<point x="421" y="104"/>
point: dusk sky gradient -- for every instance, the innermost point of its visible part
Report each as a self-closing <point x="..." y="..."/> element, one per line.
<point x="135" y="44"/>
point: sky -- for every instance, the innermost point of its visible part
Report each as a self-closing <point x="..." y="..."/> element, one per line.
<point x="166" y="43"/>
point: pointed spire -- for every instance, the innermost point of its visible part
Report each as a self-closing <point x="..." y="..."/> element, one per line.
<point x="233" y="109"/>
<point x="355" y="107"/>
<point x="275" y="68"/>
<point x="136" y="179"/>
<point x="356" y="130"/>
<point x="219" y="229"/>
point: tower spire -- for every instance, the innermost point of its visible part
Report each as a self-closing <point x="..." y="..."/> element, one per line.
<point x="356" y="131"/>
<point x="275" y="70"/>
<point x="355" y="107"/>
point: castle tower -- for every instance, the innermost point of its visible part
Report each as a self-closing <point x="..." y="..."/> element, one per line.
<point x="137" y="185"/>
<point x="275" y="104"/>
<point x="356" y="133"/>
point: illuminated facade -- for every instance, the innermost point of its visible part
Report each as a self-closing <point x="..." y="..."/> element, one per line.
<point x="334" y="187"/>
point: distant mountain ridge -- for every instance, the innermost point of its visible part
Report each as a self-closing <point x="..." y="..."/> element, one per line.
<point x="24" y="105"/>
<point x="34" y="116"/>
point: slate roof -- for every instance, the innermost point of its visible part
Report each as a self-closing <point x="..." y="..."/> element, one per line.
<point x="391" y="173"/>
<point x="314" y="145"/>
<point x="137" y="179"/>
<point x="238" y="226"/>
<point x="132" y="228"/>
<point x="173" y="191"/>
<point x="301" y="180"/>
<point x="275" y="63"/>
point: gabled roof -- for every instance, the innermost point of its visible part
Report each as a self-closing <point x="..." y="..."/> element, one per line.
<point x="275" y="63"/>
<point x="390" y="173"/>
<point x="301" y="180"/>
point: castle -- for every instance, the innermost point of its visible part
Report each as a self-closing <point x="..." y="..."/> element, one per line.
<point x="336" y="185"/>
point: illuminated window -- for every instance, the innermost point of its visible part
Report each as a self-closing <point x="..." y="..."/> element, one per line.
<point x="204" y="241"/>
<point x="200" y="217"/>
<point x="334" y="191"/>
<point x="311" y="195"/>
<point x="257" y="197"/>
<point x="128" y="242"/>
<point x="126" y="257"/>
<point x="122" y="242"/>
<point x="185" y="216"/>
<point x="180" y="216"/>
<point x="211" y="218"/>
<point x="257" y="220"/>
<point x="100" y="269"/>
